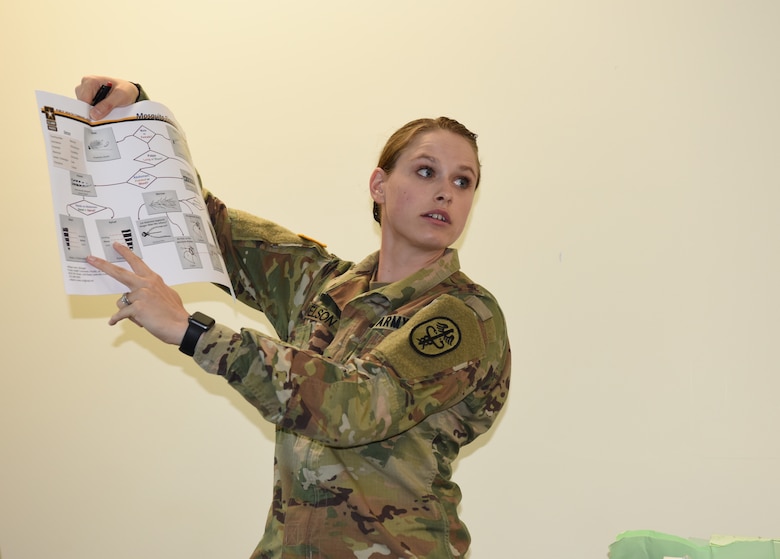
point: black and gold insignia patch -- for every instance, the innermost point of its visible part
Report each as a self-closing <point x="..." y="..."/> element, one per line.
<point x="435" y="337"/>
<point x="51" y="121"/>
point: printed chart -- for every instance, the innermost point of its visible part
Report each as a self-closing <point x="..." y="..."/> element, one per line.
<point x="128" y="178"/>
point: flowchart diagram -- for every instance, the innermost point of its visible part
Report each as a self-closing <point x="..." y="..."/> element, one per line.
<point x="130" y="179"/>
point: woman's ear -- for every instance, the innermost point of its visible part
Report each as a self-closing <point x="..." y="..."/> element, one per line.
<point x="376" y="185"/>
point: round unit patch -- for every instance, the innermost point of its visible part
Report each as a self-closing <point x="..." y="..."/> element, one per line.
<point x="435" y="337"/>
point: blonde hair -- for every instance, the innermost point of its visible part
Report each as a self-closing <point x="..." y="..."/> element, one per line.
<point x="405" y="135"/>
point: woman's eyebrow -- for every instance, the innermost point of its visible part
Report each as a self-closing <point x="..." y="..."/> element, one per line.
<point x="430" y="158"/>
<point x="433" y="159"/>
<point x="468" y="168"/>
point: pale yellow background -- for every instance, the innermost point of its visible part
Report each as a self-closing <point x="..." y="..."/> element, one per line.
<point x="628" y="221"/>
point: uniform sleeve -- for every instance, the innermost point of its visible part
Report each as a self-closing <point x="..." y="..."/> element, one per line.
<point x="142" y="95"/>
<point x="446" y="354"/>
<point x="271" y="268"/>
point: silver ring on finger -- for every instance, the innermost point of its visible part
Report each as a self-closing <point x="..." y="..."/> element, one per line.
<point x="124" y="300"/>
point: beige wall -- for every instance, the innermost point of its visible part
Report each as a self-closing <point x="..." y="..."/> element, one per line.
<point x="628" y="222"/>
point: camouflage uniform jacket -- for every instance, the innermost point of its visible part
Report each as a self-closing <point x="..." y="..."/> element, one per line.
<point x="373" y="390"/>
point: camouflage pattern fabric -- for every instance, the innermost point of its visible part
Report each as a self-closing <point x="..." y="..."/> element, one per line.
<point x="373" y="390"/>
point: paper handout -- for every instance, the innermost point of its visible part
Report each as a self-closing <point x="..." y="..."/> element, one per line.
<point x="127" y="178"/>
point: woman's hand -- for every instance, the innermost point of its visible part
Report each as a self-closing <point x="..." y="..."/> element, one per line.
<point x="122" y="93"/>
<point x="150" y="303"/>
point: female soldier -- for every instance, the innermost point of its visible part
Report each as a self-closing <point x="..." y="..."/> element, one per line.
<point x="383" y="369"/>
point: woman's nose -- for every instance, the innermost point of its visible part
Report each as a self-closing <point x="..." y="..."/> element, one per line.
<point x="443" y="194"/>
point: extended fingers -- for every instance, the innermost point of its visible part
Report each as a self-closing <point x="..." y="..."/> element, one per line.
<point x="138" y="265"/>
<point x="121" y="275"/>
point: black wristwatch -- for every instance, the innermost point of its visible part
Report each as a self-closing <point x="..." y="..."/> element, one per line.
<point x="199" y="323"/>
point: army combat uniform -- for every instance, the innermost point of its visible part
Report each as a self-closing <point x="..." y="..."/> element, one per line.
<point x="373" y="389"/>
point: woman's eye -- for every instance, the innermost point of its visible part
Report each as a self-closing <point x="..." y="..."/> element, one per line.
<point x="426" y="172"/>
<point x="462" y="182"/>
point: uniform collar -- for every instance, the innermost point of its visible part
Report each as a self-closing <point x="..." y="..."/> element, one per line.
<point x="356" y="281"/>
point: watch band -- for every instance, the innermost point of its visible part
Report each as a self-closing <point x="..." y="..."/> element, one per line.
<point x="198" y="324"/>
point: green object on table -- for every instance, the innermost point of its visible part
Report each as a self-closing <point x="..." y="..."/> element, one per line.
<point x="646" y="544"/>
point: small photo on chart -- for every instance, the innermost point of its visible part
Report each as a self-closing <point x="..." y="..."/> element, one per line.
<point x="190" y="183"/>
<point x="117" y="230"/>
<point x="74" y="238"/>
<point x="188" y="253"/>
<point x="100" y="144"/>
<point x="82" y="185"/>
<point x="195" y="228"/>
<point x="161" y="201"/>
<point x="155" y="230"/>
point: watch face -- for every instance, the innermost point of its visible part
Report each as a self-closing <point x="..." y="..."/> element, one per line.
<point x="202" y="320"/>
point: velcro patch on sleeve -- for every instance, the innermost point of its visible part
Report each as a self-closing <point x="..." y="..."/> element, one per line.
<point x="485" y="314"/>
<point x="247" y="227"/>
<point x="440" y="337"/>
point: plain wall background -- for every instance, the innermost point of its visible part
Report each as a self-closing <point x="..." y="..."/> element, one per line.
<point x="627" y="222"/>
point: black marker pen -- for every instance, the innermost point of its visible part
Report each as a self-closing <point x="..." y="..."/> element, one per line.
<point x="101" y="94"/>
